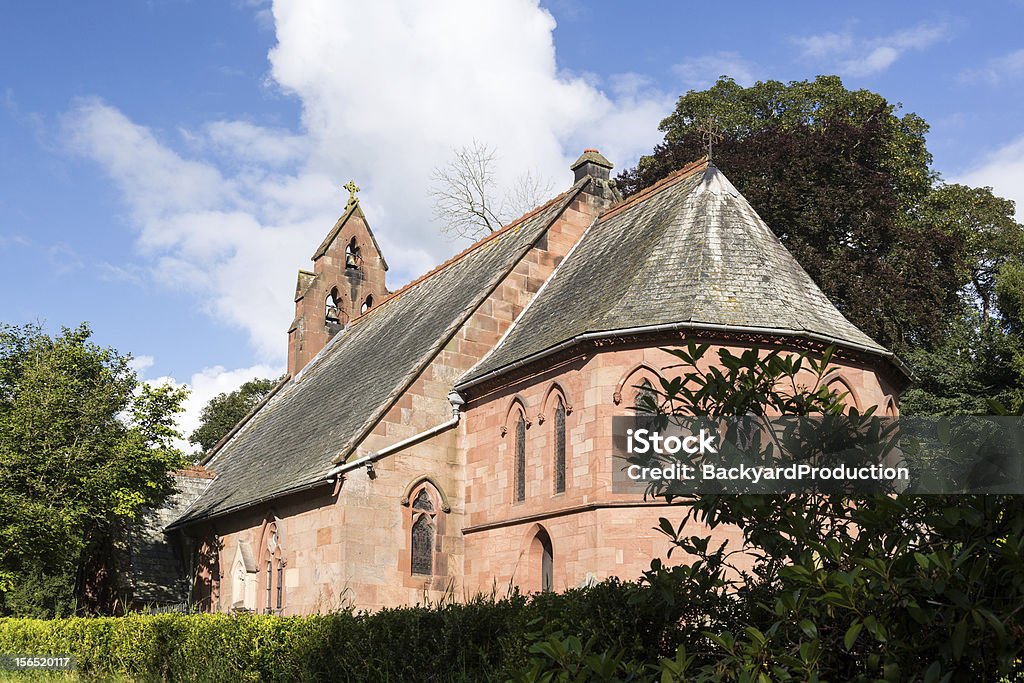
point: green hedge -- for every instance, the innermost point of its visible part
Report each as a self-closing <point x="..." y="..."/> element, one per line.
<point x="484" y="639"/>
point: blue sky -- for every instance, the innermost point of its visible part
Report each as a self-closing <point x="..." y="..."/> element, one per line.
<point x="167" y="166"/>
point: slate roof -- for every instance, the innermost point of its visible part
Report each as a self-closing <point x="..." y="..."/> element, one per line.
<point x="689" y="250"/>
<point x="318" y="418"/>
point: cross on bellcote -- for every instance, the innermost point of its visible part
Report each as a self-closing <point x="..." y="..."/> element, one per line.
<point x="352" y="189"/>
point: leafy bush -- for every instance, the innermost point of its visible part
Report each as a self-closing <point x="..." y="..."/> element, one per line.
<point x="483" y="639"/>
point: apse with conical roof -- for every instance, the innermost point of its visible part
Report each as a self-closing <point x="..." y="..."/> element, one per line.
<point x="689" y="251"/>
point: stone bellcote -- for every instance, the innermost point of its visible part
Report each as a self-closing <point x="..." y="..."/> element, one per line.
<point x="347" y="280"/>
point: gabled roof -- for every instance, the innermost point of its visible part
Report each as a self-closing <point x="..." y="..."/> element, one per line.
<point x="690" y="250"/>
<point x="318" y="418"/>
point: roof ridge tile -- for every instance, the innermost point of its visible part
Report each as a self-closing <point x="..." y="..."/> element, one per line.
<point x="671" y="179"/>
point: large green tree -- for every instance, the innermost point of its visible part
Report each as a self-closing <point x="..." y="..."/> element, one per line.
<point x="932" y="270"/>
<point x="225" y="410"/>
<point x="84" y="447"/>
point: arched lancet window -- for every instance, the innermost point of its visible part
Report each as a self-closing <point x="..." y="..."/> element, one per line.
<point x="520" y="463"/>
<point x="366" y="304"/>
<point x="423" y="530"/>
<point x="547" y="568"/>
<point x="559" y="426"/>
<point x="331" y="306"/>
<point x="272" y="568"/>
<point x="841" y="387"/>
<point x="644" y="392"/>
<point x="642" y="402"/>
<point x="542" y="558"/>
<point x="352" y="254"/>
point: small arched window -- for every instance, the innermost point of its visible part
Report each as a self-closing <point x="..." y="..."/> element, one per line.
<point x="843" y="389"/>
<point x="542" y="554"/>
<point x="273" y="569"/>
<point x="520" y="463"/>
<point x="352" y="254"/>
<point x="422" y="546"/>
<point x="646" y="396"/>
<point x="559" y="446"/>
<point x="366" y="304"/>
<point x="890" y="408"/>
<point x="331" y="306"/>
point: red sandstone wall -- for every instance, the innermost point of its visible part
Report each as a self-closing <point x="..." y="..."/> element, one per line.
<point x="593" y="531"/>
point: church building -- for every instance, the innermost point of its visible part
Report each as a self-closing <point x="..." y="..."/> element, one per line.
<point x="454" y="436"/>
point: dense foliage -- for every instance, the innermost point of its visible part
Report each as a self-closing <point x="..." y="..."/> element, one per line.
<point x="481" y="640"/>
<point x="225" y="410"/>
<point x="927" y="589"/>
<point x="934" y="271"/>
<point x="83" y="448"/>
<point x="850" y="589"/>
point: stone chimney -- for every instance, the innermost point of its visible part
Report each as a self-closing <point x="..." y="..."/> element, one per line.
<point x="592" y="164"/>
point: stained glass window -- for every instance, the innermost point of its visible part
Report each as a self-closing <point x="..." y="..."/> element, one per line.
<point x="423" y="546"/>
<point x="560" y="447"/>
<point x="280" y="583"/>
<point x="422" y="502"/>
<point x="521" y="458"/>
<point x="645" y="389"/>
<point x="275" y="571"/>
<point x="646" y="397"/>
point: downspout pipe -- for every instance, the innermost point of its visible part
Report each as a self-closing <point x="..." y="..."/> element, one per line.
<point x="454" y="398"/>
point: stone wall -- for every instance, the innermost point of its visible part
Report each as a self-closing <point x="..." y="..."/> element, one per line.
<point x="159" y="573"/>
<point x="594" y="532"/>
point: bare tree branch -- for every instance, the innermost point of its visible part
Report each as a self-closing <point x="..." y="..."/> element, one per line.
<point x="526" y="194"/>
<point x="464" y="190"/>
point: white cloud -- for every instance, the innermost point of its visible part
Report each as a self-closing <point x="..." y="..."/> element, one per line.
<point x="700" y="72"/>
<point x="388" y="90"/>
<point x="233" y="241"/>
<point x="206" y="384"/>
<point x="1003" y="171"/>
<point x="244" y="142"/>
<point x="825" y="44"/>
<point x="995" y="71"/>
<point x="140" y="364"/>
<point x="14" y="240"/>
<point x="855" y="56"/>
